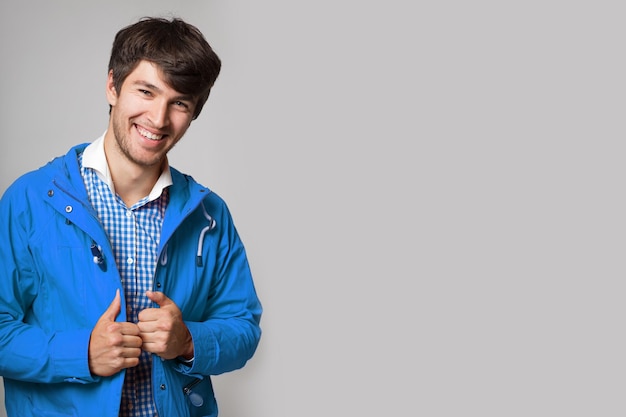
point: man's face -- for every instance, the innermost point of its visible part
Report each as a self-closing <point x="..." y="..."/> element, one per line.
<point x="148" y="117"/>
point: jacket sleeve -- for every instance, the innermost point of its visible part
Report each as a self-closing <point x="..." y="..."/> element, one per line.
<point x="229" y="335"/>
<point x="29" y="351"/>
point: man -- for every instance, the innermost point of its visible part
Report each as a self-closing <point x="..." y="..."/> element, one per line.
<point x="123" y="283"/>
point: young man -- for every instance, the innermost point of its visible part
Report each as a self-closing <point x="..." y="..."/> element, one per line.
<point x="123" y="283"/>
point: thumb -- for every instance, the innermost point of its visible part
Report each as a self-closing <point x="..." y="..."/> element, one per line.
<point x="114" y="308"/>
<point x="158" y="297"/>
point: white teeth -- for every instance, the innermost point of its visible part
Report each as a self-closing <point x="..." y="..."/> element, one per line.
<point x="148" y="135"/>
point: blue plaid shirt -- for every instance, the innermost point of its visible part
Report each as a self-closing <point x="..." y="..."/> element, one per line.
<point x="134" y="233"/>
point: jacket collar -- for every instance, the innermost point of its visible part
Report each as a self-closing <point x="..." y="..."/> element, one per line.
<point x="185" y="193"/>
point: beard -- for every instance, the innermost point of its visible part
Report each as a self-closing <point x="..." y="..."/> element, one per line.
<point x="125" y="147"/>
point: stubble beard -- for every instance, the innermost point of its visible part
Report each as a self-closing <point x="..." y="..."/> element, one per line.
<point x="124" y="145"/>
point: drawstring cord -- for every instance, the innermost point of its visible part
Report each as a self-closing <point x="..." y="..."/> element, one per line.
<point x="204" y="231"/>
<point x="164" y="256"/>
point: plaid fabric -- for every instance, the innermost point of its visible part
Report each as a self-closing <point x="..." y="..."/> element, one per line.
<point x="134" y="234"/>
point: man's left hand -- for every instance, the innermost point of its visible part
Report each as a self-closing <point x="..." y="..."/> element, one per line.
<point x="162" y="329"/>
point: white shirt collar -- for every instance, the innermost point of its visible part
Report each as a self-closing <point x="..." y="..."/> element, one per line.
<point x="95" y="158"/>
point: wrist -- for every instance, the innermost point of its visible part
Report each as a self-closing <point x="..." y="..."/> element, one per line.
<point x="188" y="352"/>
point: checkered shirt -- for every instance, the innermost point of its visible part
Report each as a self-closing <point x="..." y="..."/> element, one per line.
<point x="134" y="233"/>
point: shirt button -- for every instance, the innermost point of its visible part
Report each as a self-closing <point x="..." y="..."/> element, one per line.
<point x="130" y="261"/>
<point x="129" y="213"/>
<point x="162" y="386"/>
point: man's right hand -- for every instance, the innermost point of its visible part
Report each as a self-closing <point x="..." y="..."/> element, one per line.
<point x="113" y="346"/>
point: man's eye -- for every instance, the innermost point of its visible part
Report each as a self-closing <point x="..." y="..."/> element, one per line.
<point x="181" y="104"/>
<point x="145" y="92"/>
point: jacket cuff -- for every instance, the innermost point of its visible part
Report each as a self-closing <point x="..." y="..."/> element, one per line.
<point x="205" y="350"/>
<point x="70" y="355"/>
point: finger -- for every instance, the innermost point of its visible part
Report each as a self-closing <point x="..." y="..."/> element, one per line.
<point x="147" y="326"/>
<point x="130" y="329"/>
<point x="132" y="341"/>
<point x="158" y="297"/>
<point x="114" y="308"/>
<point x="149" y="314"/>
<point x="130" y="353"/>
<point x="150" y="347"/>
<point x="130" y="362"/>
<point x="156" y="347"/>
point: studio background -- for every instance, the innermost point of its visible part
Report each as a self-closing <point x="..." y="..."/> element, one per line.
<point x="430" y="193"/>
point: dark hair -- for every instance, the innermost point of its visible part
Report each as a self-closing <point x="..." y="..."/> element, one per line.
<point x="179" y="49"/>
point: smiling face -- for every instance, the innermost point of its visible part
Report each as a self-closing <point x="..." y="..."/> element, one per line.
<point x="147" y="119"/>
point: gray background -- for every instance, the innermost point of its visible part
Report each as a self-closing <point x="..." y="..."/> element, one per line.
<point x="431" y="193"/>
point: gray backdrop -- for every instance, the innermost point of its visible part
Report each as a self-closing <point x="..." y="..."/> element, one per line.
<point x="431" y="193"/>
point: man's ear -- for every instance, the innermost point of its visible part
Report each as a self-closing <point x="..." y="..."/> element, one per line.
<point x="111" y="92"/>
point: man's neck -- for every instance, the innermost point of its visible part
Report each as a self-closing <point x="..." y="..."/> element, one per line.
<point x="132" y="182"/>
<point x="132" y="188"/>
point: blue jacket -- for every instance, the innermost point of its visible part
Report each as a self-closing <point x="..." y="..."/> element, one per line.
<point x="52" y="293"/>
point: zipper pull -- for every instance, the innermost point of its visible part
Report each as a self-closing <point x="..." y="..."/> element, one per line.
<point x="195" y="398"/>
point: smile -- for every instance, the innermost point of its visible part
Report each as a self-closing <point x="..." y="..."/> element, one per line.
<point x="148" y="135"/>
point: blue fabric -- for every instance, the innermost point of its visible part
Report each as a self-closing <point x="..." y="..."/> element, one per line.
<point x="52" y="293"/>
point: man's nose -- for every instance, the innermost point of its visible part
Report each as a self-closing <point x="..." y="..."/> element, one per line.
<point x="159" y="114"/>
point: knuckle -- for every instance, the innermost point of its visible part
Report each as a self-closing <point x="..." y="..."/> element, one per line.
<point x="115" y="340"/>
<point x="113" y="327"/>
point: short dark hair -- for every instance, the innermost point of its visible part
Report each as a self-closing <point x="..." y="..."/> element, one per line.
<point x="189" y="64"/>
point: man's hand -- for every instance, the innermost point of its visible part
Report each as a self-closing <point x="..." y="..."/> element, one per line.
<point x="162" y="329"/>
<point x="113" y="346"/>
